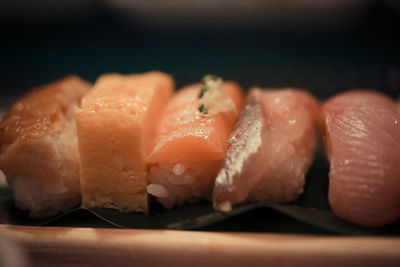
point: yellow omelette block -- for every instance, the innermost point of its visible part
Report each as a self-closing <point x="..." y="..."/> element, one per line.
<point x="116" y="125"/>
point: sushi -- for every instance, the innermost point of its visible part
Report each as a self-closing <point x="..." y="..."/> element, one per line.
<point x="269" y="150"/>
<point x="116" y="124"/>
<point x="361" y="131"/>
<point x="191" y="141"/>
<point x="39" y="151"/>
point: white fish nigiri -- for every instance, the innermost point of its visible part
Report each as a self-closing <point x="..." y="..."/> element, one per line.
<point x="269" y="150"/>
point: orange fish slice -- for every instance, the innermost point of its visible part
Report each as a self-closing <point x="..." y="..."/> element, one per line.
<point x="189" y="146"/>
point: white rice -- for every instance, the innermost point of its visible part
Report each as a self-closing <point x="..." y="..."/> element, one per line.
<point x="173" y="184"/>
<point x="157" y="190"/>
<point x="182" y="179"/>
<point x="225" y="206"/>
<point x="179" y="169"/>
<point x="32" y="189"/>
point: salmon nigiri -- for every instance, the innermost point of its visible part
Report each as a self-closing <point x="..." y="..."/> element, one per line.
<point x="39" y="151"/>
<point x="362" y="139"/>
<point x="115" y="130"/>
<point x="270" y="149"/>
<point x="191" y="141"/>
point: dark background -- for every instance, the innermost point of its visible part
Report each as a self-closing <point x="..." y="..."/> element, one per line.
<point x="38" y="45"/>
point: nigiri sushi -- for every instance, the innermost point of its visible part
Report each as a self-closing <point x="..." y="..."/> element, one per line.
<point x="361" y="131"/>
<point x="191" y="141"/>
<point x="269" y="150"/>
<point x="116" y="124"/>
<point x="39" y="151"/>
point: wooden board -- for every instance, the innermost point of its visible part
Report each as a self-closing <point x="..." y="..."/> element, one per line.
<point x="64" y="246"/>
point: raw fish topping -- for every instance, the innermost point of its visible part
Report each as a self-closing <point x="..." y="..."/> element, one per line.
<point x="269" y="150"/>
<point x="362" y="138"/>
<point x="245" y="140"/>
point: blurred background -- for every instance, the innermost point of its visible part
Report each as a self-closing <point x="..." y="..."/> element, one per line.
<point x="325" y="46"/>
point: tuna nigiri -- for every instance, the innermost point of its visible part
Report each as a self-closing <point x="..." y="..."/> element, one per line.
<point x="39" y="151"/>
<point x="115" y="131"/>
<point x="362" y="139"/>
<point x="191" y="141"/>
<point x="269" y="150"/>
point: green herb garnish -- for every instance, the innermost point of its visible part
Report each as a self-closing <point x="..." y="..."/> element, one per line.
<point x="202" y="91"/>
<point x="209" y="77"/>
<point x="206" y="86"/>
<point x="203" y="109"/>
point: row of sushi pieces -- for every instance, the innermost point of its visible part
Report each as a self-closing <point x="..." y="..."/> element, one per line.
<point x="128" y="138"/>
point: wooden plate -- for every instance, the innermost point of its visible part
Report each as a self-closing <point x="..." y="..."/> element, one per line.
<point x="64" y="246"/>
